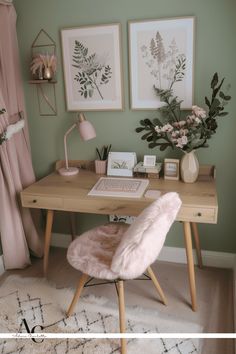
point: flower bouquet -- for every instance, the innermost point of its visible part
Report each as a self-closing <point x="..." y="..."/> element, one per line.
<point x="185" y="133"/>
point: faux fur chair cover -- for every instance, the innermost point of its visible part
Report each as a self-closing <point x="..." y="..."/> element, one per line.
<point x="92" y="252"/>
<point x="116" y="251"/>
<point x="144" y="239"/>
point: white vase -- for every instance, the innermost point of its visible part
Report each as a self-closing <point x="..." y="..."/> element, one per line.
<point x="189" y="167"/>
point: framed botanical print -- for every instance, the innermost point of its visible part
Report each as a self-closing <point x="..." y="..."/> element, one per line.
<point x="121" y="163"/>
<point x="92" y="67"/>
<point x="161" y="54"/>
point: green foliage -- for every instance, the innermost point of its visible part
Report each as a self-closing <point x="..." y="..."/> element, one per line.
<point x="179" y="69"/>
<point x="103" y="152"/>
<point x="192" y="132"/>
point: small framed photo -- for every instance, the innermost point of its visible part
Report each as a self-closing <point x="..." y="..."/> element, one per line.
<point x="93" y="67"/>
<point x="171" y="169"/>
<point x="149" y="160"/>
<point x="121" y="163"/>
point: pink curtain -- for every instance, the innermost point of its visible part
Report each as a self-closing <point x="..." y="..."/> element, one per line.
<point x="18" y="229"/>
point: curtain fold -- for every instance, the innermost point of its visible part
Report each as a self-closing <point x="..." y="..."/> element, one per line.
<point x="19" y="231"/>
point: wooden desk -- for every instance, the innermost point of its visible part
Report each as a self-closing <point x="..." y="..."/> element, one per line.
<point x="54" y="192"/>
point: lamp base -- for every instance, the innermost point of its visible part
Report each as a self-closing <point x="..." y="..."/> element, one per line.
<point x="71" y="171"/>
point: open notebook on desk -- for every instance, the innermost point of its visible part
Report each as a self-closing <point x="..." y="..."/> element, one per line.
<point x="119" y="187"/>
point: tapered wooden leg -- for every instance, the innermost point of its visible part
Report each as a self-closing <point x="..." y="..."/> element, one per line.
<point x="197" y="243"/>
<point x="47" y="239"/>
<point x="72" y="225"/>
<point x="157" y="285"/>
<point x="191" y="272"/>
<point x="78" y="292"/>
<point x="122" y="314"/>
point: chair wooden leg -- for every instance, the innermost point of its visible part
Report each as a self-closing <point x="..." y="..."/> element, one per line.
<point x="78" y="292"/>
<point x="122" y="314"/>
<point x="157" y="285"/>
<point x="197" y="243"/>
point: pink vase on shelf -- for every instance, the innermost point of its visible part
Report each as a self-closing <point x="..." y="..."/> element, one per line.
<point x="189" y="167"/>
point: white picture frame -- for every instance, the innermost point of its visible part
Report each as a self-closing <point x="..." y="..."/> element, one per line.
<point x="155" y="48"/>
<point x="171" y="169"/>
<point x="93" y="67"/>
<point x="121" y="163"/>
<point x="149" y="160"/>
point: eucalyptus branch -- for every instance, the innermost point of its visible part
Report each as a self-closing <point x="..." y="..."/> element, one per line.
<point x="172" y="111"/>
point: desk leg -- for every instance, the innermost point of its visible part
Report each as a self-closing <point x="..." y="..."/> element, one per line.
<point x="197" y="243"/>
<point x="47" y="240"/>
<point x="72" y="225"/>
<point x="191" y="273"/>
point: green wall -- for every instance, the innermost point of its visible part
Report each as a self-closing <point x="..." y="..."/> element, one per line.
<point x="215" y="51"/>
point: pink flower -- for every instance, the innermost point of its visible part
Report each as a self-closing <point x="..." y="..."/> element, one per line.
<point x="167" y="128"/>
<point x="182" y="123"/>
<point x="183" y="132"/>
<point x="157" y="129"/>
<point x="190" y="119"/>
<point x="182" y="141"/>
<point x="199" y="112"/>
<point x="176" y="124"/>
<point x="174" y="134"/>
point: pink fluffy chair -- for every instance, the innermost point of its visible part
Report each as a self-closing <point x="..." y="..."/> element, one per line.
<point x="117" y="252"/>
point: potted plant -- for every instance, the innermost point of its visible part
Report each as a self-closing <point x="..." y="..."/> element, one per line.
<point x="44" y="66"/>
<point x="187" y="133"/>
<point x="101" y="162"/>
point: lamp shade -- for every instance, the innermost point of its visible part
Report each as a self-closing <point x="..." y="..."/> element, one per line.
<point x="86" y="130"/>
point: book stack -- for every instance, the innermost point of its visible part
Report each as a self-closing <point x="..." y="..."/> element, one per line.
<point x="140" y="170"/>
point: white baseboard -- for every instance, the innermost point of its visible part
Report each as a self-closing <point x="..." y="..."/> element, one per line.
<point x="2" y="269"/>
<point x="209" y="258"/>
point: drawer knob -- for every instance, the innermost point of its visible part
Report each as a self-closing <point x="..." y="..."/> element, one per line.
<point x="199" y="214"/>
<point x="35" y="201"/>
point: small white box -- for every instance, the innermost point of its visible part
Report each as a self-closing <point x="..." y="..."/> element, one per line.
<point x="149" y="160"/>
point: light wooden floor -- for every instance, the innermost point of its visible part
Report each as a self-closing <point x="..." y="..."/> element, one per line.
<point x="214" y="294"/>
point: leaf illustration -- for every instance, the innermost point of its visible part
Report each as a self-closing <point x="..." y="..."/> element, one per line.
<point x="153" y="49"/>
<point x="106" y="75"/>
<point x="92" y="70"/>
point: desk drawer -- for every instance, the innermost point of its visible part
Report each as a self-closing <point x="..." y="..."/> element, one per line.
<point x="41" y="202"/>
<point x="204" y="215"/>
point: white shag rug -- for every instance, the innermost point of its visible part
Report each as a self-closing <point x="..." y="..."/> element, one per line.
<point x="40" y="303"/>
